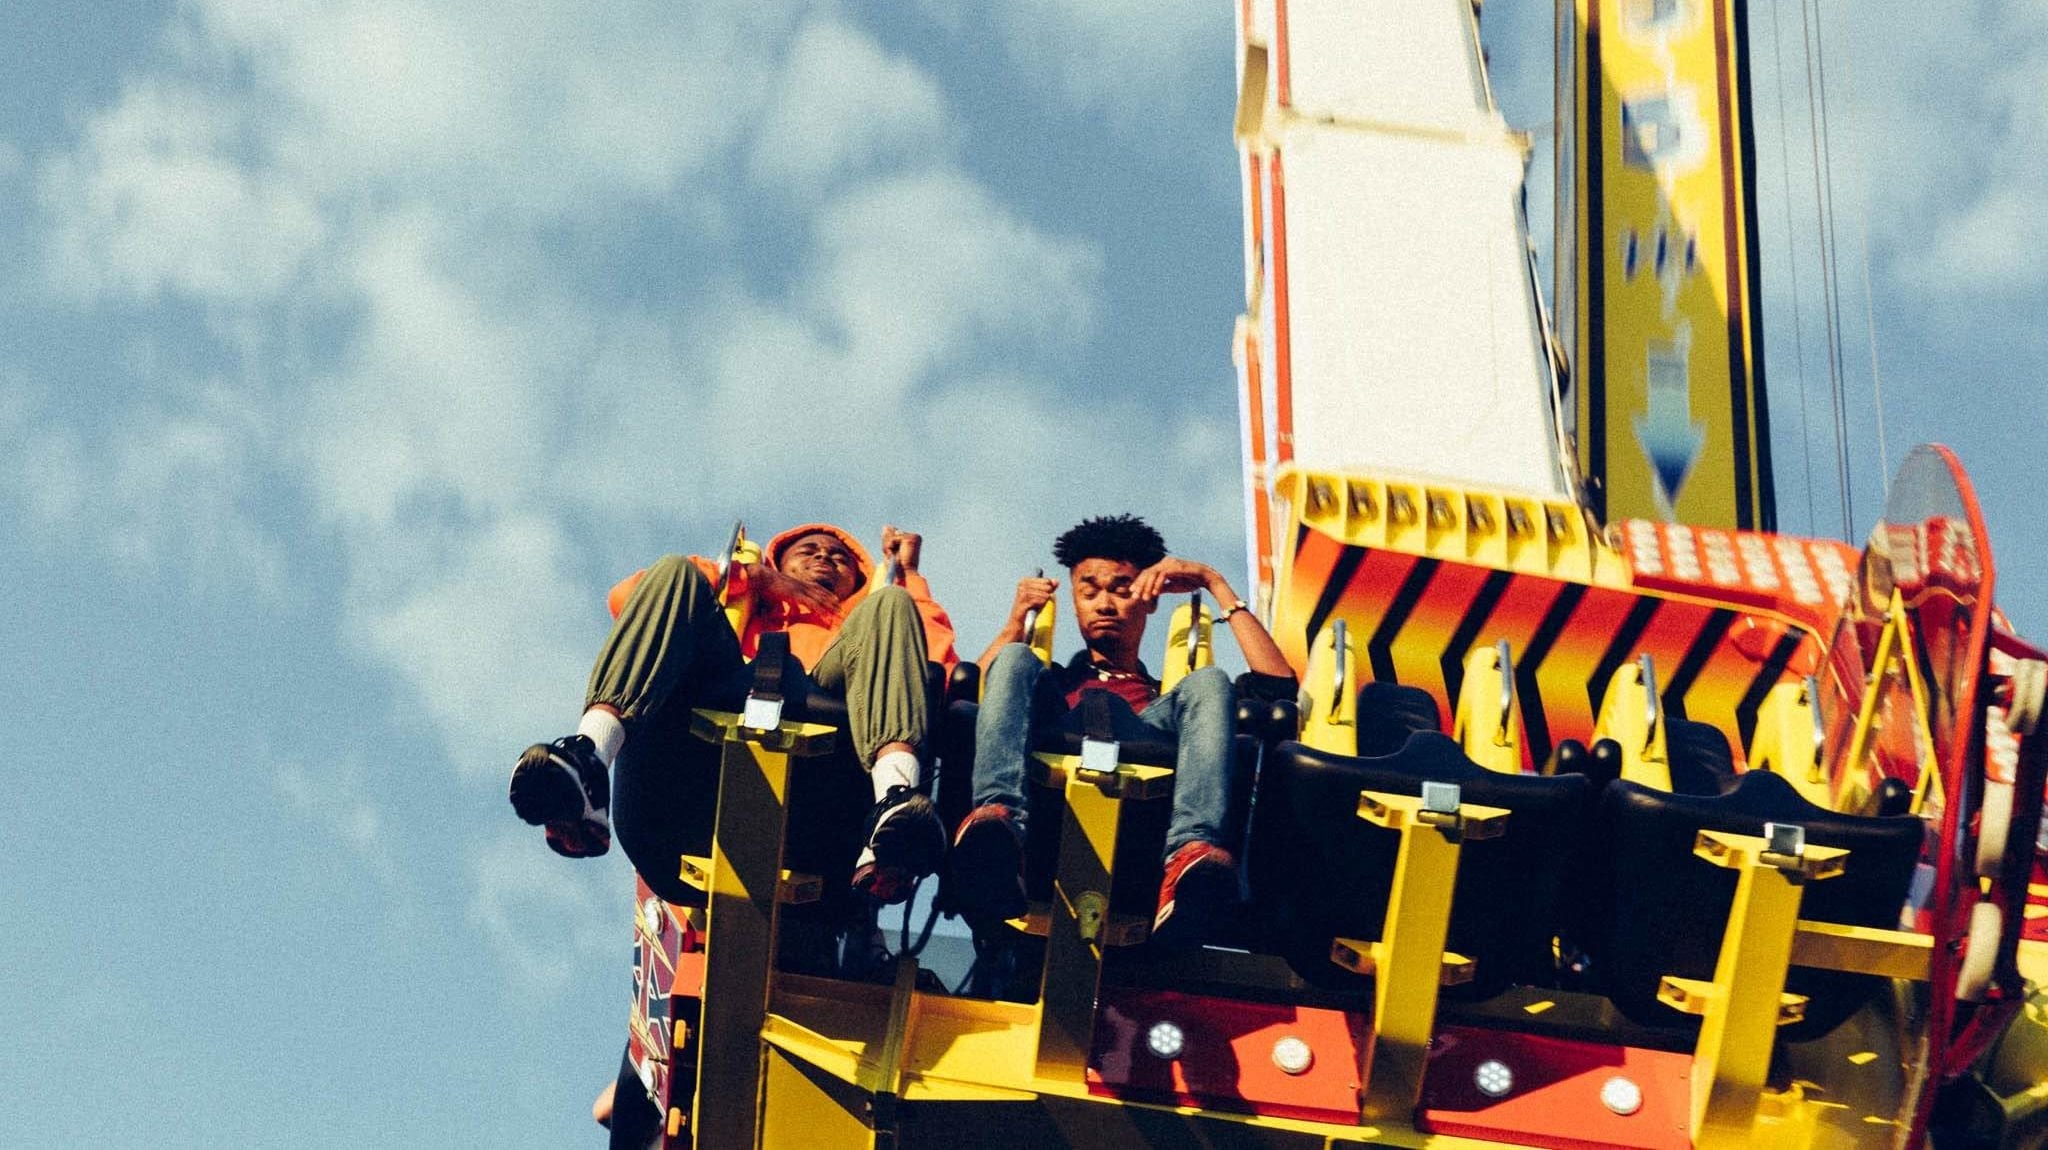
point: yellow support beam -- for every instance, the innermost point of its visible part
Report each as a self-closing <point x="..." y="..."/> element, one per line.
<point x="812" y="1109"/>
<point x="1408" y="962"/>
<point x="802" y="740"/>
<point x="2033" y="961"/>
<point x="1742" y="1008"/>
<point x="1895" y="640"/>
<point x="1080" y="923"/>
<point x="881" y="1075"/>
<point x="1863" y="950"/>
<point x="746" y="881"/>
<point x="1135" y="782"/>
<point x="794" y="887"/>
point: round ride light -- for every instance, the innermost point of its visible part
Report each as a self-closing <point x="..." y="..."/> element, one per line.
<point x="1621" y="1095"/>
<point x="1292" y="1055"/>
<point x="1165" y="1040"/>
<point x="1493" y="1078"/>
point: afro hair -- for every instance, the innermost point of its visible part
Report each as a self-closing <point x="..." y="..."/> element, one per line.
<point x="1117" y="538"/>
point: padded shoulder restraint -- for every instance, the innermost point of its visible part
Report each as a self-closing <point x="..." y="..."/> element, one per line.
<point x="1097" y="722"/>
<point x="770" y="654"/>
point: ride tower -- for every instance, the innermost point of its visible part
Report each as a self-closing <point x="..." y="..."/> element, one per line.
<point x="1583" y="832"/>
<point x="1657" y="261"/>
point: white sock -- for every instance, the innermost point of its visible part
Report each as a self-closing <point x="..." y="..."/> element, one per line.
<point x="603" y="728"/>
<point x="895" y="769"/>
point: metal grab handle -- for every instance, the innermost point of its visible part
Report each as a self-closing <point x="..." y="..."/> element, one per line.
<point x="732" y="545"/>
<point x="1653" y="710"/>
<point x="1507" y="682"/>
<point x="1340" y="643"/>
<point x="1817" y="773"/>
<point x="1508" y="678"/>
<point x="1194" y="628"/>
<point x="1031" y="616"/>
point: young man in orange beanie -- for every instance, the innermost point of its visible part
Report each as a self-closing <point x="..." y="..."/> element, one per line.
<point x="673" y="648"/>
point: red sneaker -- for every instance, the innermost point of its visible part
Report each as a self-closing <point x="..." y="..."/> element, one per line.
<point x="985" y="880"/>
<point x="1200" y="884"/>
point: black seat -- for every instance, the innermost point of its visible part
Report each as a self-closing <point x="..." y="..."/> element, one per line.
<point x="1319" y="872"/>
<point x="821" y="706"/>
<point x="1699" y="758"/>
<point x="1662" y="910"/>
<point x="1387" y="713"/>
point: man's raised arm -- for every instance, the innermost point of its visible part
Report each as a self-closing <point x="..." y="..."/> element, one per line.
<point x="1176" y="576"/>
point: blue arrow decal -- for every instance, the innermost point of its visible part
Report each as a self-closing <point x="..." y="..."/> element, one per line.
<point x="1670" y="439"/>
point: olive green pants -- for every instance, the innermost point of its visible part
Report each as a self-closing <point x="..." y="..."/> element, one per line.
<point x="672" y="649"/>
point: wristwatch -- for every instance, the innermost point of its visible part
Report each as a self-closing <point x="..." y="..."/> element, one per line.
<point x="1233" y="609"/>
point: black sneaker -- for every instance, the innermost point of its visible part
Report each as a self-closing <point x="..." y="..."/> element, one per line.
<point x="905" y="843"/>
<point x="564" y="786"/>
<point x="985" y="878"/>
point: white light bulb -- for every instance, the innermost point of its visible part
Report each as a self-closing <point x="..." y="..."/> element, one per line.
<point x="1165" y="1040"/>
<point x="1621" y="1095"/>
<point x="1293" y="1056"/>
<point x="1493" y="1078"/>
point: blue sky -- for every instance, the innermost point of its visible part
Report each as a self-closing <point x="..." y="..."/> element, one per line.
<point x="349" y="350"/>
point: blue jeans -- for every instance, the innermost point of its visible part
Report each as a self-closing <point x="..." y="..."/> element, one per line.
<point x="1199" y="714"/>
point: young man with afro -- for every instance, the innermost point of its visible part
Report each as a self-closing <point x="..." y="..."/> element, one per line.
<point x="1119" y="568"/>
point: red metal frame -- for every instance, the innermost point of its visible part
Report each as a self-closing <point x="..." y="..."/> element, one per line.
<point x="1555" y="1099"/>
<point x="1227" y="1060"/>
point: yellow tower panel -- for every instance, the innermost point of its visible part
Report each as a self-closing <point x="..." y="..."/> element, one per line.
<point x="1671" y="416"/>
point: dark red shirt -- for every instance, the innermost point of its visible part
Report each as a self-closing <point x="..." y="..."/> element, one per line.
<point x="1079" y="674"/>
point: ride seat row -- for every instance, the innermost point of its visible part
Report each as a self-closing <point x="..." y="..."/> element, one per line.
<point x="1603" y="864"/>
<point x="1610" y="869"/>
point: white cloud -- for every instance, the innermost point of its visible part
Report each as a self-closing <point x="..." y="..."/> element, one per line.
<point x="1948" y="156"/>
<point x="488" y="418"/>
<point x="541" y="109"/>
<point x="821" y="127"/>
<point x="1125" y="58"/>
<point x="156" y="199"/>
<point x="444" y="388"/>
<point x="922" y="266"/>
<point x="1992" y="245"/>
<point x="489" y="630"/>
<point x="335" y="796"/>
<point x="177" y="494"/>
<point x="912" y="277"/>
<point x="42" y="461"/>
<point x="166" y="491"/>
<point x="552" y="922"/>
